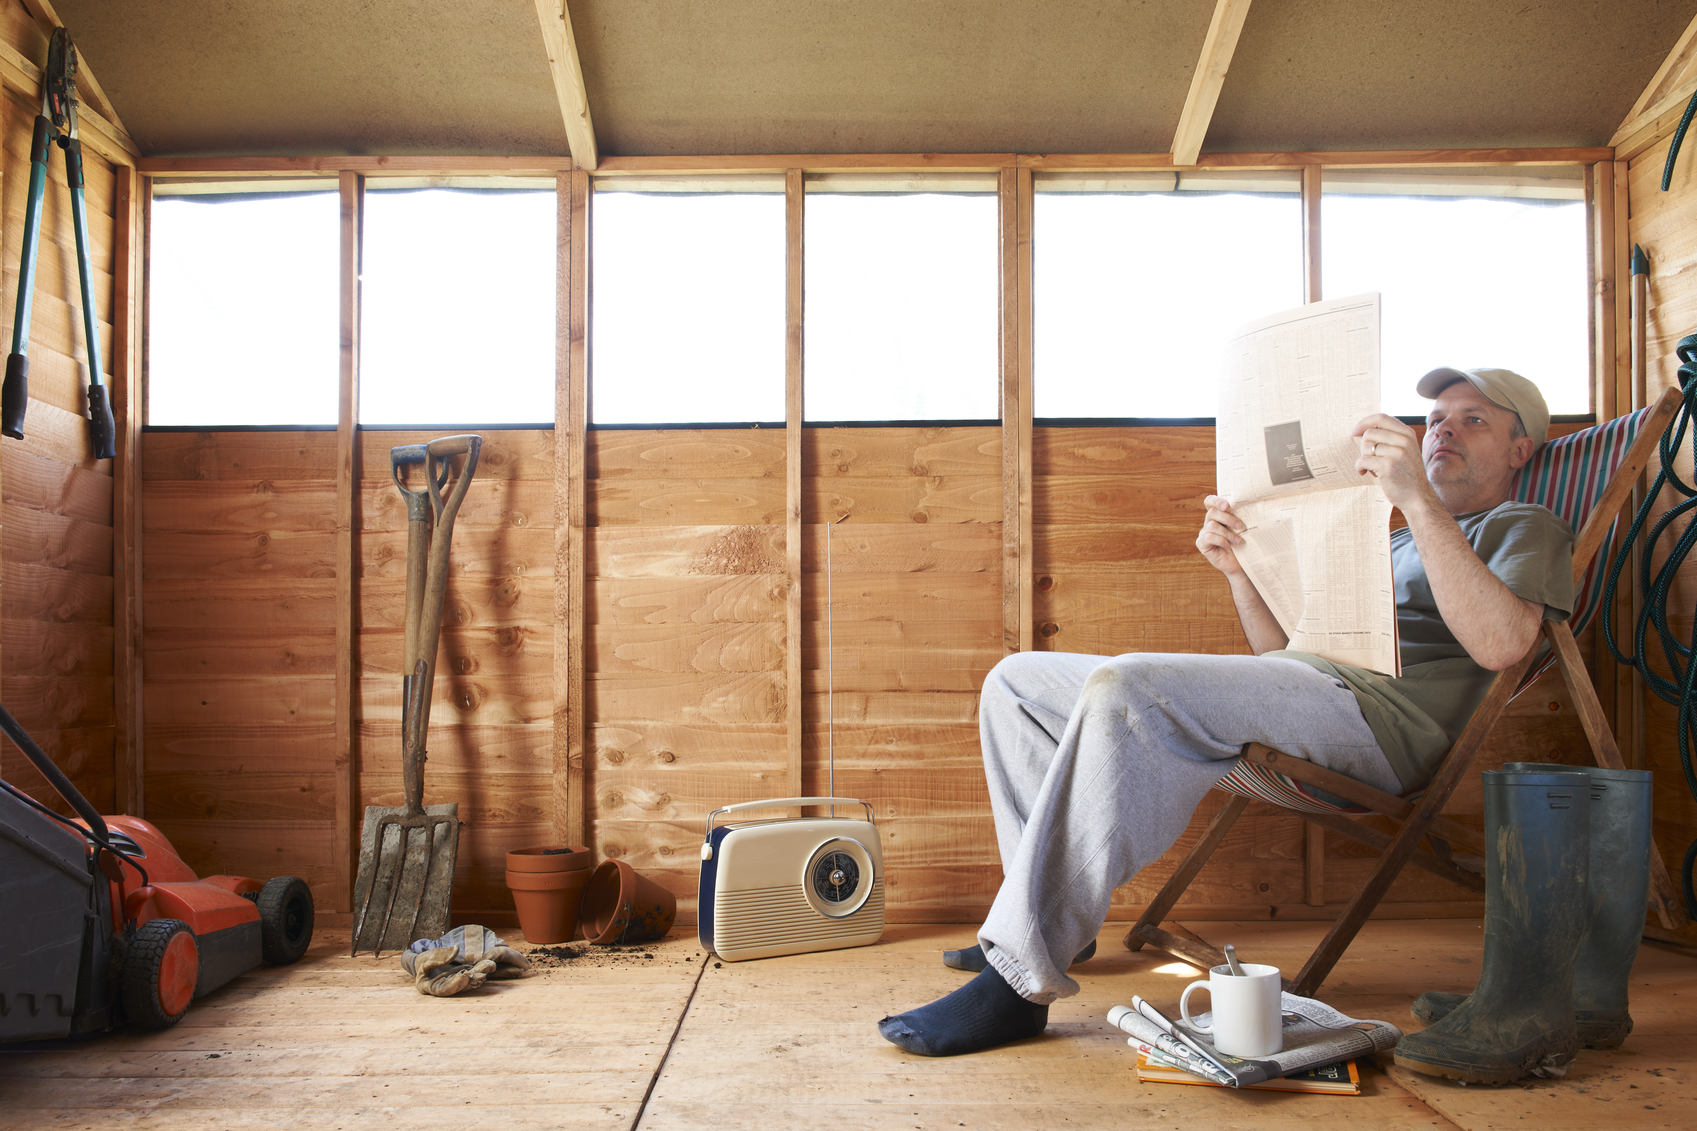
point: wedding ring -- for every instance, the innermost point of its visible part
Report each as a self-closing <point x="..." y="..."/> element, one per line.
<point x="1375" y="447"/>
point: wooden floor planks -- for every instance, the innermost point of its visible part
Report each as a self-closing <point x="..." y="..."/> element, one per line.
<point x="340" y="1043"/>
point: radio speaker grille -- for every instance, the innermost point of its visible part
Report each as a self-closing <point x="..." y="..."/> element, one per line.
<point x="764" y="917"/>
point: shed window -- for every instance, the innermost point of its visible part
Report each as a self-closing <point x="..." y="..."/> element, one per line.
<point x="901" y="284"/>
<point x="1139" y="279"/>
<point x="457" y="307"/>
<point x="687" y="309"/>
<point x="243" y="308"/>
<point x="1477" y="267"/>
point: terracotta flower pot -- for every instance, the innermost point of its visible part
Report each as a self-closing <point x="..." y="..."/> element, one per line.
<point x="620" y="906"/>
<point x="547" y="886"/>
<point x="549" y="858"/>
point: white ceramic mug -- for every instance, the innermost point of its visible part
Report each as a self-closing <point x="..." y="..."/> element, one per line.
<point x="1247" y="1018"/>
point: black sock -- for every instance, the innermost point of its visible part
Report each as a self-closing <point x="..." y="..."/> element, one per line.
<point x="982" y="1014"/>
<point x="972" y="960"/>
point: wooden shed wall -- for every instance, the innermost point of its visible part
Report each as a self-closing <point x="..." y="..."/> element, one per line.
<point x="685" y="640"/>
<point x="241" y="586"/>
<point x="56" y="501"/>
<point x="1665" y="224"/>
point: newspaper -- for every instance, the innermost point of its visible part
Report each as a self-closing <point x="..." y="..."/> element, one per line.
<point x="1318" y="543"/>
<point x="1315" y="1035"/>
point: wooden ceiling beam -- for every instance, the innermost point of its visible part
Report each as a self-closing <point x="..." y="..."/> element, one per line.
<point x="561" y="46"/>
<point x="1210" y="77"/>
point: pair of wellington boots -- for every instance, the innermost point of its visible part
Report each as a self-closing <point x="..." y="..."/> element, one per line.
<point x="1567" y="873"/>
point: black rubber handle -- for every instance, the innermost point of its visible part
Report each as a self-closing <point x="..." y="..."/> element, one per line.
<point x="102" y="433"/>
<point x="14" y="396"/>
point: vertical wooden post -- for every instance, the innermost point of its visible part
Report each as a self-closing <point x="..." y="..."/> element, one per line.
<point x="794" y="203"/>
<point x="1311" y="179"/>
<point x="571" y="436"/>
<point x="1613" y="689"/>
<point x="126" y="493"/>
<point x="1628" y="702"/>
<point x="1314" y="836"/>
<point x="352" y="187"/>
<point x="1015" y="199"/>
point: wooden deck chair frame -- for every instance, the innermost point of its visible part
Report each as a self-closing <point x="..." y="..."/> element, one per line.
<point x="1421" y="817"/>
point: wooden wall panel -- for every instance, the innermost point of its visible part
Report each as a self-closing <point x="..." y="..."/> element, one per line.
<point x="1666" y="225"/>
<point x="56" y="537"/>
<point x="238" y="656"/>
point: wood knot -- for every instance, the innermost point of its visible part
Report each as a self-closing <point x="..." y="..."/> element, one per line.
<point x="614" y="800"/>
<point x="614" y="757"/>
<point x="612" y="851"/>
<point x="920" y="516"/>
<point x="1048" y="628"/>
<point x="666" y="756"/>
<point x="1045" y="583"/>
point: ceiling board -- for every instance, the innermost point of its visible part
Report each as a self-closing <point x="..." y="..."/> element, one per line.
<point x="887" y="76"/>
<point x="1343" y="74"/>
<point x="288" y="77"/>
<point x="438" y="77"/>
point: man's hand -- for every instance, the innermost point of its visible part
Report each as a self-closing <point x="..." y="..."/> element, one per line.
<point x="1221" y="531"/>
<point x="1391" y="453"/>
<point x="1219" y="534"/>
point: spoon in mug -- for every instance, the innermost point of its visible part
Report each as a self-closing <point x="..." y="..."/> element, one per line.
<point x="1231" y="961"/>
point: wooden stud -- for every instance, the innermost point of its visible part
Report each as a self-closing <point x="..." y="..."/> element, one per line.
<point x="352" y="187"/>
<point x="571" y="438"/>
<point x="1014" y="202"/>
<point x="126" y="495"/>
<point x="215" y="168"/>
<point x="1023" y="426"/>
<point x="1311" y="183"/>
<point x="561" y="46"/>
<point x="794" y="204"/>
<point x="1314" y="836"/>
<point x="1208" y="79"/>
<point x="1334" y="159"/>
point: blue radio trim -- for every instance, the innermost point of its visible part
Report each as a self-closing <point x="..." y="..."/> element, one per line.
<point x="704" y="893"/>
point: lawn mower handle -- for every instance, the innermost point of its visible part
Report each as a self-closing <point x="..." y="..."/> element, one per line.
<point x="55" y="777"/>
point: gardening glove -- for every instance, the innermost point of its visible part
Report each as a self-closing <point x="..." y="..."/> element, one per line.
<point x="460" y="960"/>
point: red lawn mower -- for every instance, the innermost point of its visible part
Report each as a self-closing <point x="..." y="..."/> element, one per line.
<point x="112" y="926"/>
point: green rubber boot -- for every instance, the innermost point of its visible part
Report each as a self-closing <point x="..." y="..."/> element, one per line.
<point x="1620" y="850"/>
<point x="1520" y="1015"/>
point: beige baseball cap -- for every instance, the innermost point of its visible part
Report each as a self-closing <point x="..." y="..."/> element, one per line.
<point x="1503" y="388"/>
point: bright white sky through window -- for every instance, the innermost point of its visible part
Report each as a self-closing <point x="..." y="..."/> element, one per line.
<point x="901" y="306"/>
<point x="242" y="307"/>
<point x="457" y="308"/>
<point x="687" y="317"/>
<point x="1466" y="282"/>
<point x="1134" y="294"/>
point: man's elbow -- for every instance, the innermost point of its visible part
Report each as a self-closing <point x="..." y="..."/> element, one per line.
<point x="1510" y="648"/>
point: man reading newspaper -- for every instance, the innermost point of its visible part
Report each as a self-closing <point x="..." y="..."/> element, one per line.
<point x="1096" y="764"/>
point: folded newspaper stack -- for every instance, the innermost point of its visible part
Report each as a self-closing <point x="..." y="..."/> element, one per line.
<point x="1315" y="1035"/>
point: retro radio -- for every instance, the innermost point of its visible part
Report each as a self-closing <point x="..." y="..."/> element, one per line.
<point x="790" y="885"/>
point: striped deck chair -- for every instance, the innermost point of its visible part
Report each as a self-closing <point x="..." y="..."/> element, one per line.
<point x="1585" y="478"/>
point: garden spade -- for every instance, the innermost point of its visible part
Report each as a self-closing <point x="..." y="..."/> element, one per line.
<point x="407" y="852"/>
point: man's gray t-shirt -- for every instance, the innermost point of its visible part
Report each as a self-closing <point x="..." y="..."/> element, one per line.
<point x="1418" y="716"/>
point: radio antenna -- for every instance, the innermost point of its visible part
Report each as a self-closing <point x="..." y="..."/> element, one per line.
<point x="830" y="675"/>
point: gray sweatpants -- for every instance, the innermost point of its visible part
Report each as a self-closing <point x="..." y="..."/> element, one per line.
<point x="1096" y="765"/>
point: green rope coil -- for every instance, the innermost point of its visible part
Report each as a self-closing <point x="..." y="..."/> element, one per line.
<point x="1658" y="589"/>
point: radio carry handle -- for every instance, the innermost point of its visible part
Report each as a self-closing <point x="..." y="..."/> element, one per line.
<point x="788" y="802"/>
